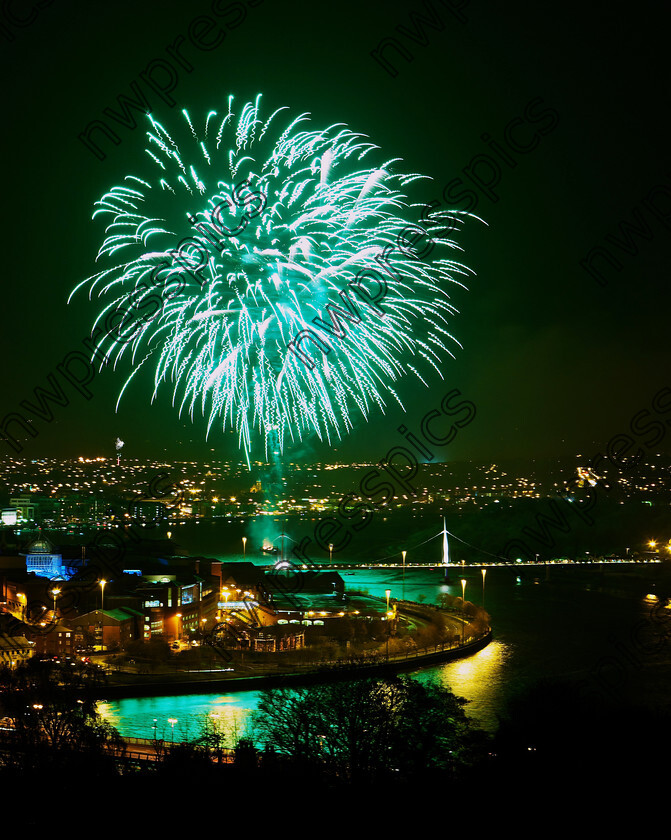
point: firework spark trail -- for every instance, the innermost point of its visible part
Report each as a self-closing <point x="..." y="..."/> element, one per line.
<point x="302" y="217"/>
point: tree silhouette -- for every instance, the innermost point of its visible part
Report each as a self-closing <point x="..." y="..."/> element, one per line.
<point x="53" y="708"/>
<point x="368" y="730"/>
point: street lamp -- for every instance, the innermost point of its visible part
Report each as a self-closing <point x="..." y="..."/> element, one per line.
<point x="484" y="572"/>
<point x="55" y="593"/>
<point x="330" y="552"/>
<point x="463" y="611"/>
<point x="244" y="548"/>
<point x="387" y="592"/>
<point x="102" y="613"/>
<point x="172" y="722"/>
<point x="403" y="553"/>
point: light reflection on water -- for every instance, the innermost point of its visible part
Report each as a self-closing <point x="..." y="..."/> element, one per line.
<point x="479" y="679"/>
<point x="134" y="717"/>
<point x="549" y="628"/>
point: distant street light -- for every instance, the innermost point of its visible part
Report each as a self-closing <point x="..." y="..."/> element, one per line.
<point x="330" y="552"/>
<point x="244" y="548"/>
<point x="387" y="592"/>
<point x="403" y="553"/>
<point x="172" y="722"/>
<point x="463" y="611"/>
<point x="484" y="572"/>
<point x="102" y="614"/>
<point x="55" y="593"/>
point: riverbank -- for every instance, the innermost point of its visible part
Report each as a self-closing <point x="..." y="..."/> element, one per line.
<point x="564" y="627"/>
<point x="418" y="635"/>
<point x="165" y="685"/>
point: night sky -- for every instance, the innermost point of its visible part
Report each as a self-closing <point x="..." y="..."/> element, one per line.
<point x="571" y="101"/>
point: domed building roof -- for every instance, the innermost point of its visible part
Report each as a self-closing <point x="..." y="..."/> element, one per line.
<point x="40" y="546"/>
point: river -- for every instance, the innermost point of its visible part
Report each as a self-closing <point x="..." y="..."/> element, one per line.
<point x="599" y="624"/>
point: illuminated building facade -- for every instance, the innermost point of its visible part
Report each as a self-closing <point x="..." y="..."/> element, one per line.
<point x="41" y="560"/>
<point x="14" y="650"/>
<point x="26" y="510"/>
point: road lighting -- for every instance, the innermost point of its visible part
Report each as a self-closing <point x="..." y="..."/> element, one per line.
<point x="484" y="572"/>
<point x="172" y="722"/>
<point x="463" y="611"/>
<point x="330" y="552"/>
<point x="55" y="593"/>
<point x="244" y="548"/>
<point x="102" y="613"/>
<point x="403" y="553"/>
<point x="387" y="592"/>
